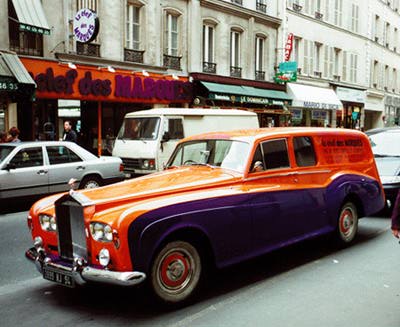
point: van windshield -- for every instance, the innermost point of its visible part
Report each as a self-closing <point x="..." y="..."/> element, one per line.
<point x="143" y="128"/>
<point x="218" y="153"/>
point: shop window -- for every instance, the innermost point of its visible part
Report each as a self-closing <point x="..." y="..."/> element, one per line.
<point x="61" y="155"/>
<point x="275" y="154"/>
<point x="25" y="158"/>
<point x="304" y="151"/>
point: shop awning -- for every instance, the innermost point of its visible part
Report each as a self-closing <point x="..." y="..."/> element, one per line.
<point x="245" y="94"/>
<point x="13" y="73"/>
<point x="31" y="16"/>
<point x="313" y="97"/>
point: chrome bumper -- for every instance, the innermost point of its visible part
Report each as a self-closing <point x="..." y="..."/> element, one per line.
<point x="82" y="273"/>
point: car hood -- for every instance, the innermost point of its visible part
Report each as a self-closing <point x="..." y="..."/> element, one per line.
<point x="388" y="166"/>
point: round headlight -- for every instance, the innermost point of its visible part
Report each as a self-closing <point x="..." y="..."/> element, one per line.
<point x="48" y="223"/>
<point x="146" y="164"/>
<point x="108" y="235"/>
<point x="53" y="224"/>
<point x="101" y="232"/>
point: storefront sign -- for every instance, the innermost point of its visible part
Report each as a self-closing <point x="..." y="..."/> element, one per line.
<point x="319" y="105"/>
<point x="288" y="46"/>
<point x="55" y="81"/>
<point x="287" y="72"/>
<point x="350" y="95"/>
<point x="86" y="25"/>
<point x="8" y="86"/>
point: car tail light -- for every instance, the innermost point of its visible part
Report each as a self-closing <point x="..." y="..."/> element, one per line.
<point x="121" y="167"/>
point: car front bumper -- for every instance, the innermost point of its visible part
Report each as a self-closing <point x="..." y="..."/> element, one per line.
<point x="80" y="273"/>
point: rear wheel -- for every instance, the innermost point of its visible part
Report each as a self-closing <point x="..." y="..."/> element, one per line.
<point x="91" y="182"/>
<point x="176" y="272"/>
<point x="347" y="223"/>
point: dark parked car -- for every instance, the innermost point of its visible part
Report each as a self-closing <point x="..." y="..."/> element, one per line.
<point x="385" y="143"/>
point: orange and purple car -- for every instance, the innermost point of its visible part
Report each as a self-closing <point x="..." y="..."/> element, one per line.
<point x="223" y="198"/>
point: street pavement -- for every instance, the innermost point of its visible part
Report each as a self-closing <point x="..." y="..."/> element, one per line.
<point x="308" y="284"/>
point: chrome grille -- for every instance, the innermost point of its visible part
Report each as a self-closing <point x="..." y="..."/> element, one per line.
<point x="131" y="164"/>
<point x="71" y="230"/>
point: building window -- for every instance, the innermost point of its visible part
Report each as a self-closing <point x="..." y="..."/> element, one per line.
<point x="209" y="65"/>
<point x="395" y="39"/>
<point x="328" y="61"/>
<point x="375" y="74"/>
<point x="386" y="82"/>
<point x="353" y="67"/>
<point x="261" y="6"/>
<point x="236" y="70"/>
<point x="171" y="35"/>
<point x="336" y="73"/>
<point x="295" y="53"/>
<point x="377" y="29"/>
<point x="89" y="4"/>
<point x="354" y="17"/>
<point x="394" y="80"/>
<point x="308" y="57"/>
<point x="386" y="35"/>
<point x="259" y="58"/>
<point x="327" y="10"/>
<point x="317" y="61"/>
<point x="338" y="12"/>
<point x="132" y="37"/>
<point x="22" y="42"/>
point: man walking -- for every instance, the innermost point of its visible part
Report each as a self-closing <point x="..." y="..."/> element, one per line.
<point x="69" y="133"/>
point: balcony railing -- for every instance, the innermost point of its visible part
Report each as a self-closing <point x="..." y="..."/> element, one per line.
<point x="299" y="70"/>
<point x="261" y="7"/>
<point x="133" y="55"/>
<point x="209" y="67"/>
<point x="317" y="74"/>
<point x="237" y="2"/>
<point x="260" y="75"/>
<point x="172" y="62"/>
<point x="88" y="49"/>
<point x="318" y="15"/>
<point x="297" y="7"/>
<point x="236" y="71"/>
<point x="336" y="78"/>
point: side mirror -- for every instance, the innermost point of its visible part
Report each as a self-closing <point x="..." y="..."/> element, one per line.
<point x="166" y="137"/>
<point x="10" y="166"/>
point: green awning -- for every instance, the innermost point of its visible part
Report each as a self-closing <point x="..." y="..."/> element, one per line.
<point x="31" y="16"/>
<point x="245" y="94"/>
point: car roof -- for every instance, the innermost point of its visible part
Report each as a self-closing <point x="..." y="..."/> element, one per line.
<point x="37" y="143"/>
<point x="258" y="133"/>
<point x="394" y="129"/>
<point x="189" y="112"/>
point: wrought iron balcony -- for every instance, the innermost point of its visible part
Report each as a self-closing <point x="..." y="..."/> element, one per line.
<point x="318" y="15"/>
<point x="209" y="67"/>
<point x="299" y="70"/>
<point x="261" y="7"/>
<point x="260" y="75"/>
<point x="237" y="2"/>
<point x="88" y="49"/>
<point x="317" y="74"/>
<point x="336" y="78"/>
<point x="133" y="55"/>
<point x="236" y="71"/>
<point x="297" y="7"/>
<point x="172" y="62"/>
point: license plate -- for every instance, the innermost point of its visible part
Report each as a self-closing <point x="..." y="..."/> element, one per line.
<point x="59" y="277"/>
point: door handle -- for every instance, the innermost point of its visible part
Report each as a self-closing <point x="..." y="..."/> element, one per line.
<point x="80" y="168"/>
<point x="42" y="172"/>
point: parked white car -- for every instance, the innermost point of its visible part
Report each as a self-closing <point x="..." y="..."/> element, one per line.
<point x="36" y="168"/>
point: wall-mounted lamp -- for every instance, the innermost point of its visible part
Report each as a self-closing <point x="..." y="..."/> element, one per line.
<point x="111" y="69"/>
<point x="174" y="76"/>
<point x="190" y="79"/>
<point x="71" y="65"/>
<point x="145" y="73"/>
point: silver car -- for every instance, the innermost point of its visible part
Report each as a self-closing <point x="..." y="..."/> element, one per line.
<point x="37" y="168"/>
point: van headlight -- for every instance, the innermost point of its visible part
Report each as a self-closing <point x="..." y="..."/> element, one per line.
<point x="48" y="222"/>
<point x="101" y="232"/>
<point x="149" y="164"/>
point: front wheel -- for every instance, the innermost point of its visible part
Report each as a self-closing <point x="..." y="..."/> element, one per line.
<point x="176" y="272"/>
<point x="347" y="223"/>
<point x="91" y="182"/>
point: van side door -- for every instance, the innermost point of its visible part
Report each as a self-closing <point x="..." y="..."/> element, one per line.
<point x="172" y="133"/>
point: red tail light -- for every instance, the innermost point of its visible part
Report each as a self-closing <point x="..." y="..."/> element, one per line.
<point x="121" y="167"/>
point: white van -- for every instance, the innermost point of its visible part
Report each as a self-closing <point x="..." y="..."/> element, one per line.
<point x="147" y="138"/>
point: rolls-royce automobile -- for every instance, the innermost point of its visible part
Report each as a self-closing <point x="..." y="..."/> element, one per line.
<point x="224" y="197"/>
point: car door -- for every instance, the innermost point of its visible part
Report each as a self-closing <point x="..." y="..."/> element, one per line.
<point x="25" y="174"/>
<point x="64" y="164"/>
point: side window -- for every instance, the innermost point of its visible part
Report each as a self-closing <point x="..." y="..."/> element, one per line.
<point x="275" y="154"/>
<point x="175" y="128"/>
<point x="304" y="151"/>
<point x="61" y="154"/>
<point x="31" y="157"/>
<point x="257" y="163"/>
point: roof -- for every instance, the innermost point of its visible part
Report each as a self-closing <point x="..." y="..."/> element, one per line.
<point x="258" y="133"/>
<point x="190" y="112"/>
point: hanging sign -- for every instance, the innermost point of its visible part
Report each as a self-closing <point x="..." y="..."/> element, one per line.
<point x="288" y="46"/>
<point x="86" y="25"/>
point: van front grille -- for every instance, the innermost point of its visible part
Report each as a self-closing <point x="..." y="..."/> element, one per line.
<point x="131" y="164"/>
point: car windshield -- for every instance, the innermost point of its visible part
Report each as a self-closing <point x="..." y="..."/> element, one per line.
<point x="218" y="153"/>
<point x="385" y="144"/>
<point x="139" y="128"/>
<point x="5" y="151"/>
